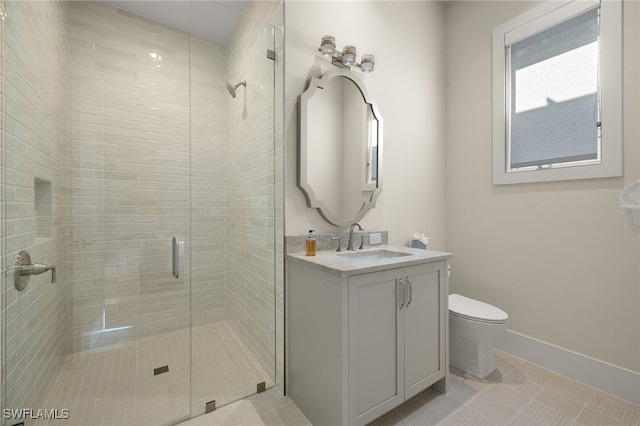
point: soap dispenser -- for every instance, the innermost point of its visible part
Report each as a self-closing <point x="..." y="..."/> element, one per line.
<point x="311" y="244"/>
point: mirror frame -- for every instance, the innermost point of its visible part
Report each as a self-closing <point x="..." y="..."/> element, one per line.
<point x="313" y="85"/>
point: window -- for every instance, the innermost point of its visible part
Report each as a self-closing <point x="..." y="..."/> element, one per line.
<point x="557" y="93"/>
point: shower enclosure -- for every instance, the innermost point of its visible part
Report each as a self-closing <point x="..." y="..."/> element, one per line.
<point x="130" y="171"/>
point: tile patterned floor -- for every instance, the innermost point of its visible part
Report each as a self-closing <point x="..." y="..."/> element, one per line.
<point x="106" y="387"/>
<point x="115" y="386"/>
<point x="518" y="393"/>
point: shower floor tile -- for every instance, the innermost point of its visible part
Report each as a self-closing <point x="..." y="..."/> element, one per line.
<point x="117" y="386"/>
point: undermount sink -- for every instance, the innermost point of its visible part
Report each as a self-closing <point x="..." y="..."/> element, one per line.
<point x="369" y="255"/>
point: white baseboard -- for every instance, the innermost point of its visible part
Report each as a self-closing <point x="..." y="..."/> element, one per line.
<point x="615" y="380"/>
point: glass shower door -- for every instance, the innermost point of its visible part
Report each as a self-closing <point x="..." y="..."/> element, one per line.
<point x="96" y="183"/>
<point x="233" y="204"/>
<point x="139" y="198"/>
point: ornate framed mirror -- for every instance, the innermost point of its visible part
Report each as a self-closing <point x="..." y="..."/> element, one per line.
<point x="339" y="148"/>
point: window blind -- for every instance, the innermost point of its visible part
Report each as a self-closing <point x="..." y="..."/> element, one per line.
<point x="554" y="94"/>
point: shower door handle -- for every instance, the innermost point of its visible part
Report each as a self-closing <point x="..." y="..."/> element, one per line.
<point x="175" y="257"/>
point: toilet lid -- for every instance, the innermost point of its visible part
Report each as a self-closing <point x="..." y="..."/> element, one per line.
<point x="475" y="310"/>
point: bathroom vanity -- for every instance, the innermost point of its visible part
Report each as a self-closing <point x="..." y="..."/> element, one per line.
<point x="367" y="331"/>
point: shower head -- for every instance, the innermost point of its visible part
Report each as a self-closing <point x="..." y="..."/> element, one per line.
<point x="232" y="89"/>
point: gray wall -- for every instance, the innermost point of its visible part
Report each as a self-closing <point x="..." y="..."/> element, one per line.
<point x="558" y="257"/>
<point x="407" y="41"/>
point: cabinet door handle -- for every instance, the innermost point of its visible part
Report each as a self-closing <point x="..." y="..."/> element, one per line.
<point x="402" y="292"/>
<point x="410" y="287"/>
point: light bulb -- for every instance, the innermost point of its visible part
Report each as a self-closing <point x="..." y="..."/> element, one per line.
<point x="368" y="61"/>
<point x="349" y="55"/>
<point x="328" y="45"/>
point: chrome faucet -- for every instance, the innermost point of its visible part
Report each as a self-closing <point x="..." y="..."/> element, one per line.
<point x="350" y="244"/>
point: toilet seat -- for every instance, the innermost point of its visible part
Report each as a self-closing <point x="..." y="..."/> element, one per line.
<point x="474" y="310"/>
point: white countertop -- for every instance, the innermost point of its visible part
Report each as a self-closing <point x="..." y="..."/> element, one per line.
<point x="339" y="263"/>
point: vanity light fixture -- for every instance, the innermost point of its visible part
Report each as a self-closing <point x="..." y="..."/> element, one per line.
<point x="347" y="58"/>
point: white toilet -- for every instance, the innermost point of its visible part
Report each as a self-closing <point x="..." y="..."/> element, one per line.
<point x="473" y="328"/>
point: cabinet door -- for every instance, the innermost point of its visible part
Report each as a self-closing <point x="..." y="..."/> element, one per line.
<point x="376" y="378"/>
<point x="424" y="326"/>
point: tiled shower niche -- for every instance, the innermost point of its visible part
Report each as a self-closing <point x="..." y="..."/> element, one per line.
<point x="42" y="191"/>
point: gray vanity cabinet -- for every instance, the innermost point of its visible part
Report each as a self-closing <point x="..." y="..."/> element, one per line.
<point x="397" y="337"/>
<point x="360" y="345"/>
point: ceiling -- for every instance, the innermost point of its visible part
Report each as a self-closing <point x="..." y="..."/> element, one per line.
<point x="213" y="20"/>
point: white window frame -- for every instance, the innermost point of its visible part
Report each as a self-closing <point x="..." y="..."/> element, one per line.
<point x="532" y="22"/>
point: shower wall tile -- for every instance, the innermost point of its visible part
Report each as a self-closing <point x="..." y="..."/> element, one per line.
<point x="35" y="120"/>
<point x="132" y="167"/>
<point x="208" y="182"/>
